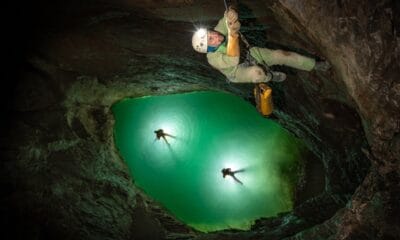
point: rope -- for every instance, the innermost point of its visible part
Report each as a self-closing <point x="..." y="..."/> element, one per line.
<point x="244" y="40"/>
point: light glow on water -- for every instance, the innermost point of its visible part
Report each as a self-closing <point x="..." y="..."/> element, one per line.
<point x="212" y="131"/>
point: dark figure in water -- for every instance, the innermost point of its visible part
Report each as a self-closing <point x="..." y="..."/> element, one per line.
<point x="228" y="171"/>
<point x="161" y="134"/>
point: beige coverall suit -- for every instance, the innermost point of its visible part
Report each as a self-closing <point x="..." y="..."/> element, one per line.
<point x="239" y="73"/>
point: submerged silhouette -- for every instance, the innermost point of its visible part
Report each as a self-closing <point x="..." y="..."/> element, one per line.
<point x="161" y="134"/>
<point x="228" y="171"/>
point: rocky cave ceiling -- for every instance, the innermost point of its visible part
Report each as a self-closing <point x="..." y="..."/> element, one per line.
<point x="67" y="62"/>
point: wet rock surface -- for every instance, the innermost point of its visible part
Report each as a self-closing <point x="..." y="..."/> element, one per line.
<point x="62" y="177"/>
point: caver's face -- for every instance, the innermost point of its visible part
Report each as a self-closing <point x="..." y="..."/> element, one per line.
<point x="214" y="39"/>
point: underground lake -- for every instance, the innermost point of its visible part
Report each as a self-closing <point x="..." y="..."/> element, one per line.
<point x="206" y="133"/>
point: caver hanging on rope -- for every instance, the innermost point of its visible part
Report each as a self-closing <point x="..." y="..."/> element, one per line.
<point x="223" y="52"/>
<point x="222" y="48"/>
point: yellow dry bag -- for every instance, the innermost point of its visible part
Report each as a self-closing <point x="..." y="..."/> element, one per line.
<point x="263" y="96"/>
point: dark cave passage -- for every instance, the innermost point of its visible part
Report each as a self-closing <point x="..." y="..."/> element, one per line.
<point x="69" y="63"/>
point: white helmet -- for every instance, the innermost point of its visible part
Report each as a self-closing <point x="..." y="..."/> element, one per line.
<point x="199" y="40"/>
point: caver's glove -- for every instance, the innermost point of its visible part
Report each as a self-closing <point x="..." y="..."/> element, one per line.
<point x="232" y="21"/>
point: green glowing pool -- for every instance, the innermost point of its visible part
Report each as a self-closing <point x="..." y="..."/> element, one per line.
<point x="211" y="131"/>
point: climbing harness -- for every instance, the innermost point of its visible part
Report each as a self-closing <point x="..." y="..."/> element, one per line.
<point x="250" y="61"/>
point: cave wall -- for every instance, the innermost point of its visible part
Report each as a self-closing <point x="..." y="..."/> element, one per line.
<point x="63" y="178"/>
<point x="360" y="39"/>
